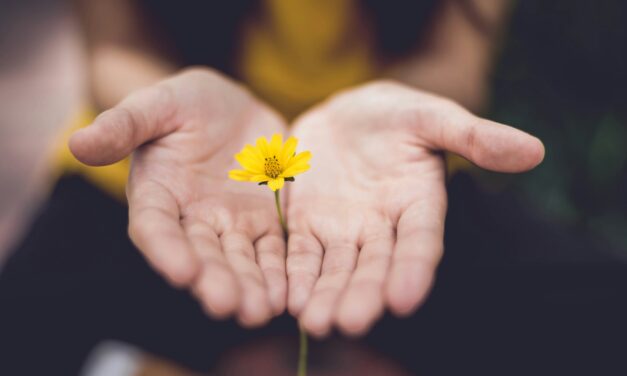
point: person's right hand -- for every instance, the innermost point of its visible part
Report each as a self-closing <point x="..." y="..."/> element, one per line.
<point x="220" y="238"/>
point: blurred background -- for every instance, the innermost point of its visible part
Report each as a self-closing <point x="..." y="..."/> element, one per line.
<point x="561" y="75"/>
<point x="41" y="84"/>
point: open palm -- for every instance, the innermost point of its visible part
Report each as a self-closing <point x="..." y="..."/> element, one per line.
<point x="366" y="223"/>
<point x="220" y="238"/>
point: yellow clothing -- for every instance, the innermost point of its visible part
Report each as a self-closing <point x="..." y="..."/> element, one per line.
<point x="304" y="50"/>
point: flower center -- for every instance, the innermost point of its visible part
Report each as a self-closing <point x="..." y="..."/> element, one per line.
<point x="272" y="167"/>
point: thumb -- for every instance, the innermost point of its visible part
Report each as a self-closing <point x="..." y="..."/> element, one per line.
<point x="141" y="117"/>
<point x="486" y="143"/>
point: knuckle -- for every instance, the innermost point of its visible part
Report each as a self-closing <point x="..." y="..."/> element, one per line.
<point x="252" y="279"/>
<point x="125" y="126"/>
<point x="299" y="245"/>
<point x="325" y="292"/>
<point x="470" y="138"/>
<point x="273" y="271"/>
<point x="272" y="243"/>
<point x="374" y="259"/>
<point x="337" y="270"/>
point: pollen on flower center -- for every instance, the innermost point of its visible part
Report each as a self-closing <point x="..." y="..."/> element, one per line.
<point x="272" y="167"/>
<point x="271" y="163"/>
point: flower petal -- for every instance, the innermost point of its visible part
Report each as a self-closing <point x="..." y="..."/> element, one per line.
<point x="253" y="152"/>
<point x="288" y="150"/>
<point x="260" y="178"/>
<point x="295" y="169"/>
<point x="251" y="164"/>
<point x="262" y="145"/>
<point x="240" y="175"/>
<point x="302" y="157"/>
<point x="276" y="144"/>
<point x="276" y="184"/>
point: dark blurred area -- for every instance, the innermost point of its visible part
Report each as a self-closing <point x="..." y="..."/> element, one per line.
<point x="41" y="83"/>
<point x="533" y="281"/>
<point x="562" y="76"/>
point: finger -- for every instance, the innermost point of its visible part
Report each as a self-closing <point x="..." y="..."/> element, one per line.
<point x="337" y="266"/>
<point x="270" y="251"/>
<point x="143" y="116"/>
<point x="488" y="144"/>
<point x="216" y="286"/>
<point x="363" y="302"/>
<point x="255" y="307"/>
<point x="418" y="249"/>
<point x="304" y="259"/>
<point x="155" y="229"/>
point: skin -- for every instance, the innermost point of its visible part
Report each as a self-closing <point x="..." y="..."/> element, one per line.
<point x="202" y="231"/>
<point x="455" y="57"/>
<point x="367" y="222"/>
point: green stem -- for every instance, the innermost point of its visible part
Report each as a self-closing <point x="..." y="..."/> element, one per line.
<point x="302" y="355"/>
<point x="277" y="200"/>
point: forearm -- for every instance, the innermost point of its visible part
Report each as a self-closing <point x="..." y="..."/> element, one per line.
<point x="456" y="58"/>
<point x="115" y="72"/>
<point x="124" y="56"/>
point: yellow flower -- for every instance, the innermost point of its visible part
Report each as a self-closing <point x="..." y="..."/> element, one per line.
<point x="271" y="163"/>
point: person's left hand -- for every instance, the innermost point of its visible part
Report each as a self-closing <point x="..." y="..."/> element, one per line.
<point x="366" y="223"/>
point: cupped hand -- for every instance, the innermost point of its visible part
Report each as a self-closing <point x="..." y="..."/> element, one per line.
<point x="366" y="222"/>
<point x="220" y="238"/>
